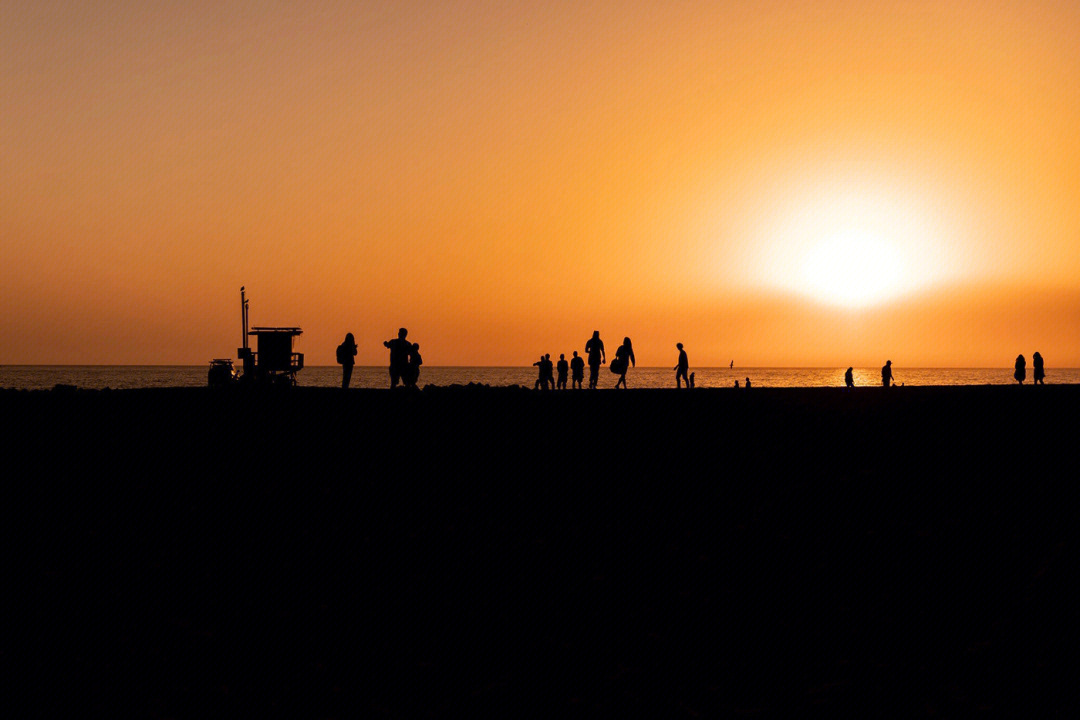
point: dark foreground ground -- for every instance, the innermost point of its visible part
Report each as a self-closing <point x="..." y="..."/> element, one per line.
<point x="501" y="552"/>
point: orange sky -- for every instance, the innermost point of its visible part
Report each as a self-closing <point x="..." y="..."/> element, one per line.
<point x="503" y="178"/>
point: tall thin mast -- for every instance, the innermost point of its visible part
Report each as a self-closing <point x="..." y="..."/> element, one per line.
<point x="244" y="317"/>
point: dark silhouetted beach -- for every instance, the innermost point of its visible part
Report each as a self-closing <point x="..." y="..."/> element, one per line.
<point x="496" y="551"/>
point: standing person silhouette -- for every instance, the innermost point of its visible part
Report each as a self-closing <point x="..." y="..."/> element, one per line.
<point x="346" y="352"/>
<point x="849" y="379"/>
<point x="886" y="374"/>
<point x="625" y="357"/>
<point x="594" y="348"/>
<point x="400" y="349"/>
<point x="415" y="361"/>
<point x="541" y="382"/>
<point x="577" y="370"/>
<point x="1021" y="369"/>
<point x="682" y="368"/>
<point x="563" y="368"/>
<point x="1039" y="372"/>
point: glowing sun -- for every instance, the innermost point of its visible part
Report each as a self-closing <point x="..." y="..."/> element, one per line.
<point x="853" y="268"/>
<point x="853" y="247"/>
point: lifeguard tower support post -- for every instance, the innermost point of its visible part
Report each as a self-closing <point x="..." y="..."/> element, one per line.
<point x="275" y="359"/>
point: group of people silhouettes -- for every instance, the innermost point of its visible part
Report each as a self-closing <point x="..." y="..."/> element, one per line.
<point x="1038" y="372"/>
<point x="886" y="376"/>
<point x="1019" y="372"/>
<point x="405" y="362"/>
<point x="547" y="372"/>
<point x="547" y="380"/>
<point x="594" y="350"/>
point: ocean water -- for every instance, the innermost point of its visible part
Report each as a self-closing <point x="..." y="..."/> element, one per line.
<point x="36" y="377"/>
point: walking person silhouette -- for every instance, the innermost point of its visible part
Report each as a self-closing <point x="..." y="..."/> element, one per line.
<point x="577" y="370"/>
<point x="594" y="348"/>
<point x="1039" y="372"/>
<point x="346" y="354"/>
<point x="400" y="349"/>
<point x="849" y="378"/>
<point x="624" y="356"/>
<point x="682" y="368"/>
<point x="886" y="374"/>
<point x="1020" y="371"/>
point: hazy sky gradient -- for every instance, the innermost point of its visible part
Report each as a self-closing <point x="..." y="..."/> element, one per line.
<point x="503" y="178"/>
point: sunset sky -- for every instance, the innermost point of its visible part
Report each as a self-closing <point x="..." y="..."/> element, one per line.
<point x="778" y="183"/>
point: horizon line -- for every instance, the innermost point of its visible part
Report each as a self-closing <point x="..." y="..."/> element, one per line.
<point x="643" y="367"/>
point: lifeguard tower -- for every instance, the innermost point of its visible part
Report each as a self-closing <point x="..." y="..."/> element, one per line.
<point x="274" y="360"/>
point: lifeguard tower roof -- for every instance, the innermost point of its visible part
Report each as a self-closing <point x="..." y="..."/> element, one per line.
<point x="275" y="352"/>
